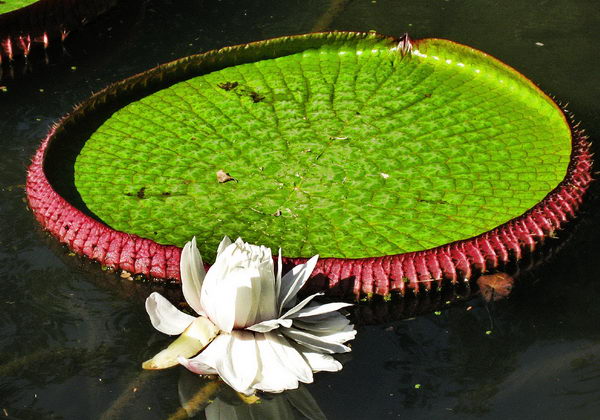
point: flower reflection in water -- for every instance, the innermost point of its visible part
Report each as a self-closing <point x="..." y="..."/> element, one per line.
<point x="220" y="402"/>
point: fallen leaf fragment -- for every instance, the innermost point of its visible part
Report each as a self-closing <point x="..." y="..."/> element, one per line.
<point x="223" y="176"/>
<point x="495" y="286"/>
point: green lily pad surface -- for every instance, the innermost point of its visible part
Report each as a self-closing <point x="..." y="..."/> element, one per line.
<point x="10" y="5"/>
<point x="352" y="149"/>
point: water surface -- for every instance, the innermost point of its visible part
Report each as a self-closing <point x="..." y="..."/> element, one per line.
<point x="72" y="338"/>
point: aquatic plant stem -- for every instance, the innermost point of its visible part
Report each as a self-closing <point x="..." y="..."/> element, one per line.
<point x="131" y="390"/>
<point x="202" y="397"/>
<point x="335" y="8"/>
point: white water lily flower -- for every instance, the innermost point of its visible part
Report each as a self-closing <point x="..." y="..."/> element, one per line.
<point x="262" y="338"/>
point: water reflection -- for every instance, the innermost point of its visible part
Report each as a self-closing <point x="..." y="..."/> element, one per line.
<point x="209" y="398"/>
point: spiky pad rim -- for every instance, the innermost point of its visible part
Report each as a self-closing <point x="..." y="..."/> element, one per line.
<point x="343" y="277"/>
<point x="44" y="20"/>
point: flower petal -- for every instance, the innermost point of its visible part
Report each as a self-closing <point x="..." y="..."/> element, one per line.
<point x="306" y="301"/>
<point x="213" y="295"/>
<point x="319" y="309"/>
<point x="205" y="363"/>
<point x="192" y="272"/>
<point x="290" y="357"/>
<point x="224" y="306"/>
<point x="238" y="366"/>
<point x="239" y="289"/>
<point x="320" y="362"/>
<point x="340" y="336"/>
<point x="233" y="302"/>
<point x="314" y="342"/>
<point x="278" y="277"/>
<point x="293" y="281"/>
<point x="273" y="375"/>
<point x="195" y="337"/>
<point x="267" y="299"/>
<point x="269" y="325"/>
<point x="247" y="298"/>
<point x="165" y="317"/>
<point x="224" y="244"/>
<point x="329" y="325"/>
<point x="333" y="335"/>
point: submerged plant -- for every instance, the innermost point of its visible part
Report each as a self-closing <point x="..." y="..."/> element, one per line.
<point x="257" y="335"/>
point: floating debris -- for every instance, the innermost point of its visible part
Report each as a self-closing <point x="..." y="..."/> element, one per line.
<point x="495" y="286"/>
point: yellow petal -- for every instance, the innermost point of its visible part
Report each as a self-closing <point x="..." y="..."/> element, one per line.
<point x="191" y="341"/>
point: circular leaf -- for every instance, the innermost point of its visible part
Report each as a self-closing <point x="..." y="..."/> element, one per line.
<point x="352" y="146"/>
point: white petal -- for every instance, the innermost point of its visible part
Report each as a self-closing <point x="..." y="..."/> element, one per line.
<point x="293" y="281"/>
<point x="320" y="309"/>
<point x="192" y="275"/>
<point x="329" y="325"/>
<point x="231" y="293"/>
<point x="273" y="375"/>
<point x="267" y="300"/>
<point x="340" y="336"/>
<point x="318" y="344"/>
<point x="247" y="295"/>
<point x="238" y="367"/>
<point x="290" y="313"/>
<point x="321" y="362"/>
<point x="224" y="307"/>
<point x="224" y="244"/>
<point x="205" y="363"/>
<point x="165" y="317"/>
<point x="212" y="288"/>
<point x="233" y="302"/>
<point x="278" y="277"/>
<point x="266" y="326"/>
<point x="195" y="337"/>
<point x="290" y="357"/>
<point x="210" y="292"/>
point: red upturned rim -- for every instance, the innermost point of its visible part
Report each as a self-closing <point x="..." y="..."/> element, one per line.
<point x="426" y="269"/>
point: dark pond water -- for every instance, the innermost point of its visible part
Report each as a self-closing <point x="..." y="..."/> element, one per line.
<point x="72" y="338"/>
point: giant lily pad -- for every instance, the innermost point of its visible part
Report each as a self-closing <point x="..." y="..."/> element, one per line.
<point x="400" y="162"/>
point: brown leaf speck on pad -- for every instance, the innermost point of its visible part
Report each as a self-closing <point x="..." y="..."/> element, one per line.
<point x="223" y="176"/>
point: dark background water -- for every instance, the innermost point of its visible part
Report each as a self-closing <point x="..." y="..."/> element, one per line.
<point x="72" y="338"/>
